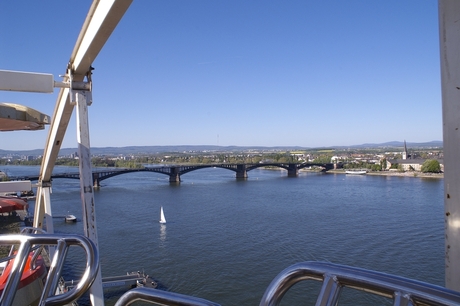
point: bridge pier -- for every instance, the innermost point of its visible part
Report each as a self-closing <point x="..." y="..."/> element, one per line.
<point x="292" y="170"/>
<point x="241" y="172"/>
<point x="96" y="182"/>
<point x="174" y="175"/>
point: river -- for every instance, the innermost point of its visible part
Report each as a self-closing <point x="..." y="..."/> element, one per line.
<point x="225" y="240"/>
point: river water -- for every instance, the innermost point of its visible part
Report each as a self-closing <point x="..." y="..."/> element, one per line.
<point x="225" y="240"/>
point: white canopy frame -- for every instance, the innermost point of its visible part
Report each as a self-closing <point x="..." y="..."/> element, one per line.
<point x="100" y="22"/>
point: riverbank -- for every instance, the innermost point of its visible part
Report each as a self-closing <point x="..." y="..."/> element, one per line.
<point x="396" y="173"/>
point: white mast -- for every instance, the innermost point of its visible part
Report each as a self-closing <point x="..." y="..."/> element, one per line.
<point x="449" y="35"/>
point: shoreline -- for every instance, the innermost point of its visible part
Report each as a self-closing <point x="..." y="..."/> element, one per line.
<point x="396" y="173"/>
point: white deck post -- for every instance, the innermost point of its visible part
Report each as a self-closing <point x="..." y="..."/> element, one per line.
<point x="83" y="99"/>
<point x="449" y="35"/>
<point x="43" y="212"/>
<point x="43" y="209"/>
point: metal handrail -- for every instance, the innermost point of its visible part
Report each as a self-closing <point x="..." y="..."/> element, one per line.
<point x="62" y="243"/>
<point x="41" y="248"/>
<point x="402" y="290"/>
<point x="160" y="297"/>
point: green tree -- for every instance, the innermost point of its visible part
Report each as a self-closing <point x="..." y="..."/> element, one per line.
<point x="431" y="166"/>
<point x="325" y="159"/>
<point x="383" y="164"/>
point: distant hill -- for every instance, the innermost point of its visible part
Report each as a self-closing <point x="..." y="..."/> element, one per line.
<point x="135" y="150"/>
<point x="399" y="144"/>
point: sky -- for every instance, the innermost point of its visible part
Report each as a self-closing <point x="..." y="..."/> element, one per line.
<point x="238" y="73"/>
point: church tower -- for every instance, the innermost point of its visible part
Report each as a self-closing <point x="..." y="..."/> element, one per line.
<point x="404" y="154"/>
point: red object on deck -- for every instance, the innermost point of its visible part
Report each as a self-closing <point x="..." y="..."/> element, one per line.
<point x="8" y="204"/>
<point x="29" y="274"/>
<point x="33" y="278"/>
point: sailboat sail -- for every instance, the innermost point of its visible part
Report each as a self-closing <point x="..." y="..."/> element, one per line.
<point x="162" y="216"/>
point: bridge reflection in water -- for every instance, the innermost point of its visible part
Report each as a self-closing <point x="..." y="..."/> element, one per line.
<point x="175" y="171"/>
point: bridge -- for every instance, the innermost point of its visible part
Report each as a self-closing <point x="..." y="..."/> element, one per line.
<point x="175" y="171"/>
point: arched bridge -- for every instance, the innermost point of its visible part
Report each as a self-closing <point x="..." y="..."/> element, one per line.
<point x="175" y="171"/>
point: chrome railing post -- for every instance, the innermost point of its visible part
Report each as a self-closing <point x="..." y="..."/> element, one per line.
<point x="63" y="242"/>
<point x="403" y="291"/>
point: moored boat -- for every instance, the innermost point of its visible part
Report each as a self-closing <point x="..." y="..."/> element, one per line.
<point x="70" y="218"/>
<point x="358" y="172"/>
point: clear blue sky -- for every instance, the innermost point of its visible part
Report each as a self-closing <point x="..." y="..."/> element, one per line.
<point x="245" y="73"/>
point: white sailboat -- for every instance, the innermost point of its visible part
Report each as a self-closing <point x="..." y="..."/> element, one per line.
<point x="162" y="216"/>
